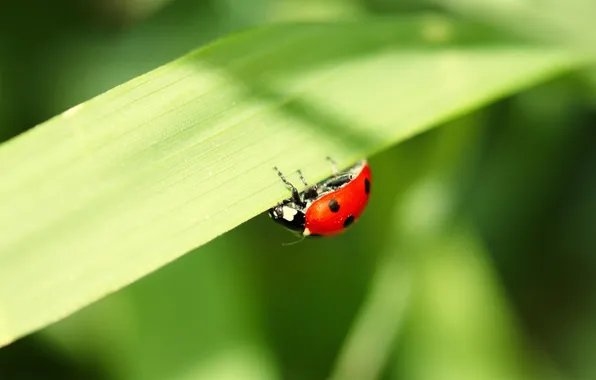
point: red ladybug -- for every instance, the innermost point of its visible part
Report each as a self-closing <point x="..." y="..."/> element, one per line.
<point x="328" y="207"/>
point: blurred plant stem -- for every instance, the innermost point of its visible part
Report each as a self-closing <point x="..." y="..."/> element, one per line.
<point x="376" y="327"/>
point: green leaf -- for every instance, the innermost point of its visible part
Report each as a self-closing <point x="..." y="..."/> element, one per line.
<point x="570" y="22"/>
<point x="120" y="185"/>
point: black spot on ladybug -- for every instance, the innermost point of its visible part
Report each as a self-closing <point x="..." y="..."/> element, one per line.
<point x="349" y="221"/>
<point x="333" y="205"/>
<point x="366" y="186"/>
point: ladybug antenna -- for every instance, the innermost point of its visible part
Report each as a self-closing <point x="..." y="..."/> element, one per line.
<point x="294" y="242"/>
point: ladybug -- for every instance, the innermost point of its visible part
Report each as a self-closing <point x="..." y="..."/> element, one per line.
<point x="328" y="207"/>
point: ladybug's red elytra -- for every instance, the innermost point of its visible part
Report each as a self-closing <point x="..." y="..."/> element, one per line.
<point x="328" y="207"/>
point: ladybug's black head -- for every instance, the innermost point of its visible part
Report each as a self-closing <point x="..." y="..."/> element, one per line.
<point x="288" y="215"/>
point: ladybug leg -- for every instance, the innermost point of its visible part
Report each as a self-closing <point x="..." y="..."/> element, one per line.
<point x="301" y="177"/>
<point x="295" y="193"/>
<point x="333" y="165"/>
<point x="310" y="193"/>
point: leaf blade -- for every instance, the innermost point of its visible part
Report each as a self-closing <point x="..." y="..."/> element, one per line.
<point x="114" y="188"/>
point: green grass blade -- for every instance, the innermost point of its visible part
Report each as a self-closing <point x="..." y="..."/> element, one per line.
<point x="119" y="186"/>
<point x="570" y="22"/>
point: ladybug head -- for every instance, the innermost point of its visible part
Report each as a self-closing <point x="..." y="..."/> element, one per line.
<point x="288" y="215"/>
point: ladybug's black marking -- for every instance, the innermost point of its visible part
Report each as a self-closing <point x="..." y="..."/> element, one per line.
<point x="349" y="220"/>
<point x="366" y="186"/>
<point x="333" y="205"/>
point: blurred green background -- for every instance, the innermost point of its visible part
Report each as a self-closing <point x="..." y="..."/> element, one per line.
<point x="476" y="258"/>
